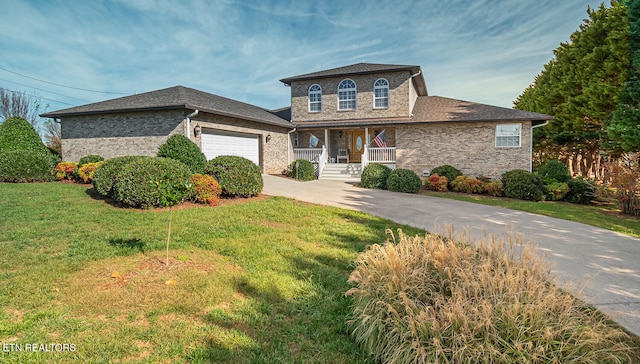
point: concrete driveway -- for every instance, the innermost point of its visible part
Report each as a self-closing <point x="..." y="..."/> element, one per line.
<point x="604" y="264"/>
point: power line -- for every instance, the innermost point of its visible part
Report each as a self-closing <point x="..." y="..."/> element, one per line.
<point x="39" y="89"/>
<point x="57" y="84"/>
<point x="40" y="97"/>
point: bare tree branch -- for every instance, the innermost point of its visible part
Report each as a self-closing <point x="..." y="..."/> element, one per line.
<point x="13" y="103"/>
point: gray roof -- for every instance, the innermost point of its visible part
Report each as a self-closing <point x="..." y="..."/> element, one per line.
<point x="177" y="97"/>
<point x="361" y="69"/>
<point x="437" y="109"/>
<point x="440" y="109"/>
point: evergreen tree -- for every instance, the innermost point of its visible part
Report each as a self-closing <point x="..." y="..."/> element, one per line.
<point x="624" y="127"/>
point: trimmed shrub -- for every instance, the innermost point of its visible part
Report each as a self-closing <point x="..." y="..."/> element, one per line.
<point x="436" y="183"/>
<point x="180" y="148"/>
<point x="25" y="166"/>
<point x="375" y="175"/>
<point x="87" y="171"/>
<point x="65" y="170"/>
<point x="302" y="169"/>
<point x="17" y="134"/>
<point x="92" y="158"/>
<point x="494" y="188"/>
<point x="554" y="171"/>
<point x="238" y="176"/>
<point x="205" y="189"/>
<point x="429" y="299"/>
<point x="466" y="184"/>
<point x="448" y="171"/>
<point x="555" y="191"/>
<point x="152" y="182"/>
<point x="105" y="176"/>
<point x="403" y="180"/>
<point x="581" y="191"/>
<point x="522" y="185"/>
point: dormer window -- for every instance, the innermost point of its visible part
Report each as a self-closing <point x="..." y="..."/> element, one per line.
<point x="381" y="94"/>
<point x="315" y="98"/>
<point x="347" y="95"/>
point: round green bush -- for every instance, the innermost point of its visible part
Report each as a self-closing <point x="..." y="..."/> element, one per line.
<point x="238" y="176"/>
<point x="303" y="170"/>
<point x="180" y="148"/>
<point x="580" y="191"/>
<point x="375" y="175"/>
<point x="152" y="182"/>
<point x="25" y="166"/>
<point x="522" y="185"/>
<point x="17" y="134"/>
<point x="554" y="171"/>
<point x="403" y="180"/>
<point x="92" y="158"/>
<point x="448" y="171"/>
<point x="105" y="175"/>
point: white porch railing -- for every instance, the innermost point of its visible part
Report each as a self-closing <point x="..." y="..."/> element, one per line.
<point x="322" y="160"/>
<point x="378" y="155"/>
<point x="310" y="154"/>
<point x="382" y="155"/>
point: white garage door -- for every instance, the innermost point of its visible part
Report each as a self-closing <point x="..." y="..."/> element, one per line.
<point x="215" y="143"/>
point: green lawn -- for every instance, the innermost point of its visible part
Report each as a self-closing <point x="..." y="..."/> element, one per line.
<point x="605" y="216"/>
<point x="261" y="281"/>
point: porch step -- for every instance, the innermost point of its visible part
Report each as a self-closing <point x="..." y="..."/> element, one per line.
<point x="342" y="172"/>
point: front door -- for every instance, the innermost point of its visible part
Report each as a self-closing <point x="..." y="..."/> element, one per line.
<point x="355" y="142"/>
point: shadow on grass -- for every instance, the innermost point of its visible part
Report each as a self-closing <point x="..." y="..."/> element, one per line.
<point x="133" y="244"/>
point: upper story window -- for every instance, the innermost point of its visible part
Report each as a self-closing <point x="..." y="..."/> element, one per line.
<point x="381" y="94"/>
<point x="347" y="95"/>
<point x="508" y="135"/>
<point x="315" y="98"/>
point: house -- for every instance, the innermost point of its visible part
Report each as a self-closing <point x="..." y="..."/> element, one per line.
<point x="341" y="119"/>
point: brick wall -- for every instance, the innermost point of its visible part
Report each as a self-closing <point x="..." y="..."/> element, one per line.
<point x="274" y="152"/>
<point x="142" y="133"/>
<point x="470" y="147"/>
<point x="115" y="135"/>
<point x="398" y="98"/>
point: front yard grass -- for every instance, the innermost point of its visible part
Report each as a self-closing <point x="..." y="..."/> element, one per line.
<point x="257" y="282"/>
<point x="261" y="281"/>
<point x="601" y="215"/>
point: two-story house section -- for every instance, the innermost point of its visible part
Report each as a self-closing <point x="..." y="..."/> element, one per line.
<point x="383" y="113"/>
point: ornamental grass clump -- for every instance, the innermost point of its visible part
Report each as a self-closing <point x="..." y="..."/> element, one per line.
<point x="433" y="300"/>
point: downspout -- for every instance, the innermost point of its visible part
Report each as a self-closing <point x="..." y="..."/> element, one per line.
<point x="289" y="146"/>
<point x="410" y="87"/>
<point x="194" y="113"/>
<point x="531" y="144"/>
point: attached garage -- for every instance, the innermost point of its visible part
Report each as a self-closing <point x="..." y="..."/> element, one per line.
<point x="216" y="143"/>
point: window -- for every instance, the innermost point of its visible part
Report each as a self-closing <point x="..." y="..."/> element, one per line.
<point x="381" y="94"/>
<point x="508" y="135"/>
<point x="347" y="95"/>
<point x="315" y="98"/>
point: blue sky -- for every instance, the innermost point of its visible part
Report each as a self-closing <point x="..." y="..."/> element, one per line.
<point x="485" y="51"/>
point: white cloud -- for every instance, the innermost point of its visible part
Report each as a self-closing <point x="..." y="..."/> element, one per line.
<point x="486" y="50"/>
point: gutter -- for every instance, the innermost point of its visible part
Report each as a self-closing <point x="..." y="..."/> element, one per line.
<point x="546" y="122"/>
<point x="289" y="146"/>
<point x="188" y="133"/>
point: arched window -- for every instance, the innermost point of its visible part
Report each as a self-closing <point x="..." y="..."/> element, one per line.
<point x="347" y="95"/>
<point x="381" y="94"/>
<point x="315" y="98"/>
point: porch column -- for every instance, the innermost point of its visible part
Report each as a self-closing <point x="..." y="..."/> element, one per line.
<point x="326" y="142"/>
<point x="366" y="135"/>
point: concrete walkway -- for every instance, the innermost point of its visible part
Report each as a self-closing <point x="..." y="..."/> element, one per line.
<point x="604" y="264"/>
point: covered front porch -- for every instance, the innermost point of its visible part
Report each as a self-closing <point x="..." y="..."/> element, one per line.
<point x="346" y="146"/>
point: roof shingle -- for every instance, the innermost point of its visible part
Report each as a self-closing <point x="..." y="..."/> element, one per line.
<point x="177" y="97"/>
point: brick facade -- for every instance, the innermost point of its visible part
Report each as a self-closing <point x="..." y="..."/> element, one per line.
<point x="399" y="98"/>
<point x="142" y="133"/>
<point x="470" y="147"/>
